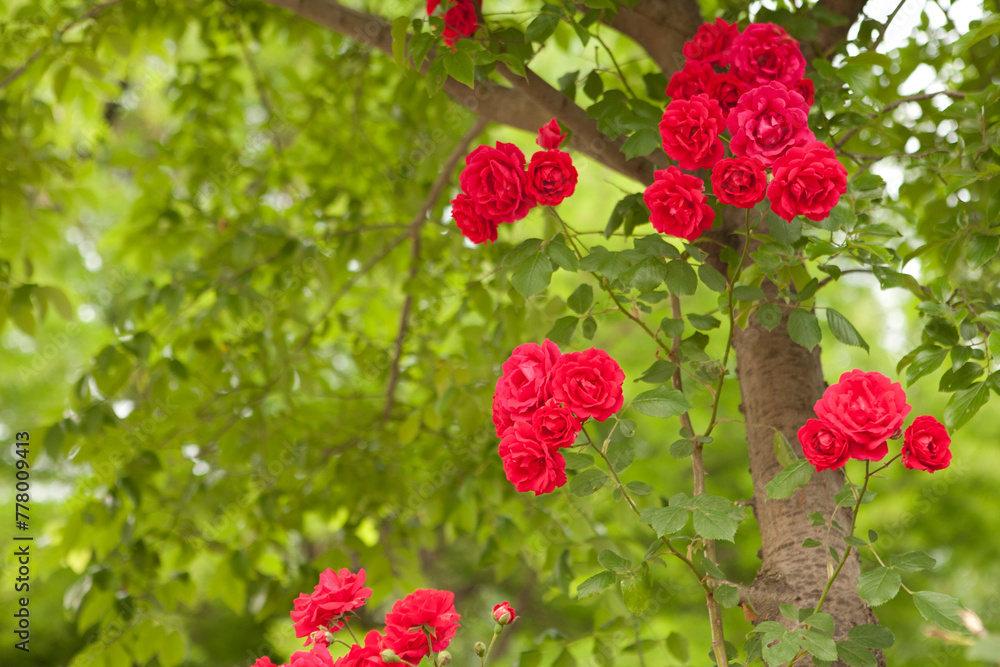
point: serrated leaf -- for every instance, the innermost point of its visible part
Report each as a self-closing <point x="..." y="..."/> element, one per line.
<point x="562" y="330"/>
<point x="661" y="371"/>
<point x="639" y="488"/>
<point x="793" y="477"/>
<point x="879" y="585"/>
<point x="681" y="449"/>
<point x="664" y="520"/>
<point x="576" y="461"/>
<point x="609" y="560"/>
<point x="635" y="593"/>
<point x="748" y="293"/>
<point x="681" y="278"/>
<point x="782" y="449"/>
<point x="595" y="584"/>
<point x="713" y="518"/>
<point x="532" y="275"/>
<point x="581" y="299"/>
<point x="588" y="482"/>
<point x="912" y="561"/>
<point x="981" y="249"/>
<point x="818" y="644"/>
<point x="712" y="279"/>
<point x="662" y="402"/>
<point x="964" y="405"/>
<point x="843" y="330"/>
<point x="960" y="378"/>
<point x="872" y="636"/>
<point x="563" y="256"/>
<point x="803" y="328"/>
<point x="621" y="455"/>
<point x="727" y="596"/>
<point x="641" y="143"/>
<point x="940" y="609"/>
<point x="926" y="361"/>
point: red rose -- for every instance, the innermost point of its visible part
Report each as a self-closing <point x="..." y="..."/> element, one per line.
<point x="336" y="593"/>
<point x="868" y="409"/>
<point x="677" y="204"/>
<point x="689" y="81"/>
<point x="528" y="464"/>
<point x="690" y="130"/>
<point x="503" y="613"/>
<point x="764" y="53"/>
<point x="555" y="425"/>
<point x="524" y="385"/>
<point x="551" y="177"/>
<point x="495" y="180"/>
<point x="369" y="654"/>
<point x="473" y="226"/>
<point x="806" y="89"/>
<point x="589" y="383"/>
<point x="459" y="20"/>
<point x="824" y="445"/>
<point x="317" y="657"/>
<point x="550" y="135"/>
<point x="767" y="121"/>
<point x="807" y="181"/>
<point x="264" y="662"/>
<point x="711" y="43"/>
<point x="739" y="181"/>
<point x="726" y="89"/>
<point x="926" y="445"/>
<point x="422" y="612"/>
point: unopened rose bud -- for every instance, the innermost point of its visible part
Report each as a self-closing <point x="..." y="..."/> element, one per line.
<point x="389" y="656"/>
<point x="444" y="657"/>
<point x="897" y="435"/>
<point x="480" y="649"/>
<point x="321" y="638"/>
<point x="503" y="613"/>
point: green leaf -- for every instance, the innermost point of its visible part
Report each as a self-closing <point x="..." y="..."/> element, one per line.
<point x="621" y="455"/>
<point x="843" y="330"/>
<point x="609" y="560"/>
<point x="713" y="517"/>
<point x="872" y="636"/>
<point x="681" y="278"/>
<point x="926" y="361"/>
<point x="784" y="232"/>
<point x="727" y="596"/>
<point x="703" y="322"/>
<point x="782" y="651"/>
<point x="595" y="584"/>
<point x="581" y="299"/>
<point x="793" y="477"/>
<point x="460" y="66"/>
<point x="981" y="249"/>
<point x="576" y="461"/>
<point x="677" y="644"/>
<point x="527" y="248"/>
<point x="960" y="378"/>
<point x="879" y="585"/>
<point x="671" y="328"/>
<point x="820" y="645"/>
<point x="964" y="405"/>
<point x="855" y="654"/>
<point x="57" y="299"/>
<point x="563" y="256"/>
<point x="749" y="293"/>
<point x="588" y="482"/>
<point x="712" y="279"/>
<point x="662" y="402"/>
<point x="940" y="609"/>
<point x="661" y="371"/>
<point x="646" y="275"/>
<point x="989" y="26"/>
<point x="912" y="561"/>
<point x="593" y="86"/>
<point x="542" y="27"/>
<point x="589" y="328"/>
<point x="664" y="520"/>
<point x="782" y="449"/>
<point x="399" y="28"/>
<point x="562" y="330"/>
<point x="635" y="593"/>
<point x="768" y="315"/>
<point x="641" y="143"/>
<point x="803" y="328"/>
<point x="639" y="488"/>
<point x="532" y="275"/>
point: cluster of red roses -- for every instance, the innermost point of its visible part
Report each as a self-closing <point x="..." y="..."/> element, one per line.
<point x="858" y="416"/>
<point x="459" y="20"/>
<point x="540" y="404"/>
<point x="752" y="85"/>
<point x="423" y="621"/>
<point x="497" y="188"/>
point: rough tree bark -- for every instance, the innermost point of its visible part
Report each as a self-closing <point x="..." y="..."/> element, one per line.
<point x="779" y="380"/>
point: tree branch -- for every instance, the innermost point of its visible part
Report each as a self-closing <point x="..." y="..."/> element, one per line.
<point x="829" y="36"/>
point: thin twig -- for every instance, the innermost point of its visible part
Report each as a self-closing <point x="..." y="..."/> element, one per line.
<point x="414" y="233"/>
<point x="885" y="26"/>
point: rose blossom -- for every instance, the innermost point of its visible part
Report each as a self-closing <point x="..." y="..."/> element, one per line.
<point x="739" y="181"/>
<point x="727" y="89"/>
<point x="555" y="426"/>
<point x="336" y="593"/>
<point x="677" y="204"/>
<point x="423" y="612"/>
<point x="523" y="386"/>
<point x="690" y="130"/>
<point x="868" y="409"/>
<point x="504" y="610"/>
<point x="550" y="135"/>
<point x="926" y="445"/>
<point x="460" y="20"/>
<point x="711" y="43"/>
<point x="496" y="181"/>
<point x="807" y="90"/>
<point x="551" y="177"/>
<point x="264" y="661"/>
<point x="368" y="654"/>
<point x="824" y="445"/>
<point x="317" y="657"/>
<point x="528" y="464"/>
<point x="767" y="121"/>
<point x="689" y="81"/>
<point x="764" y="53"/>
<point x="589" y="383"/>
<point x="807" y="181"/>
<point x="473" y="226"/>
